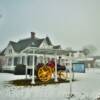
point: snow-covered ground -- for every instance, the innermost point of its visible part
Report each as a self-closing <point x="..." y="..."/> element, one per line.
<point x="87" y="87"/>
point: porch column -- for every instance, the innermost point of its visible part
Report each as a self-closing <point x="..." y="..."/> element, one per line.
<point x="70" y="69"/>
<point x="33" y="78"/>
<point x="26" y="66"/>
<point x="56" y="79"/>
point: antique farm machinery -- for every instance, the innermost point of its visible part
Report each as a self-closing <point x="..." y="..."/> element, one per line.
<point x="53" y="64"/>
<point x="45" y="72"/>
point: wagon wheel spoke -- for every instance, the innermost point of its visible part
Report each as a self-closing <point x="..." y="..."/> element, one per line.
<point x="44" y="73"/>
<point x="62" y="75"/>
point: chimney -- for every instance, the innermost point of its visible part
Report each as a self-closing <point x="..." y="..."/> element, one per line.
<point x="33" y="35"/>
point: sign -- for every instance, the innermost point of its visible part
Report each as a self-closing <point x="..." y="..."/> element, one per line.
<point x="78" y="67"/>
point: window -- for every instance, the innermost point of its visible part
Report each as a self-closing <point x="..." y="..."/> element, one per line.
<point x="40" y="59"/>
<point x="29" y="60"/>
<point x="9" y="61"/>
<point x="23" y="59"/>
<point x="16" y="61"/>
<point x="35" y="60"/>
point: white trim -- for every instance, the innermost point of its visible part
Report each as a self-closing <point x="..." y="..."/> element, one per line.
<point x="33" y="78"/>
<point x="44" y="44"/>
<point x="56" y="78"/>
<point x="26" y="66"/>
<point x="6" y="52"/>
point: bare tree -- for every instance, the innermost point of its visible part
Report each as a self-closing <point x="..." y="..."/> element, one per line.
<point x="89" y="49"/>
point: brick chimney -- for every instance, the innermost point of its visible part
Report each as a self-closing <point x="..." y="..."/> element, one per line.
<point x="33" y="35"/>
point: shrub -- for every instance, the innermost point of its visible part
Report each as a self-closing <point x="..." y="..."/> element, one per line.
<point x="20" y="69"/>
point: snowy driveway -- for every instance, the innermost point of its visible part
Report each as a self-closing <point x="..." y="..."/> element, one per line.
<point x="86" y="86"/>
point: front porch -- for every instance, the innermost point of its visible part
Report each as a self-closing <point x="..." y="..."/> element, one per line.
<point x="33" y="56"/>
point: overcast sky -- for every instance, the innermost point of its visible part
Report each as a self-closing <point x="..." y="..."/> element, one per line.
<point x="71" y="23"/>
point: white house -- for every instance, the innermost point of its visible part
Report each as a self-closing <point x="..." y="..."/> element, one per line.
<point x="14" y="55"/>
<point x="22" y="52"/>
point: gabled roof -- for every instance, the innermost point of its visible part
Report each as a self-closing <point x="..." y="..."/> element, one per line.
<point x="48" y="41"/>
<point x="28" y="42"/>
<point x="22" y="44"/>
<point x="2" y="53"/>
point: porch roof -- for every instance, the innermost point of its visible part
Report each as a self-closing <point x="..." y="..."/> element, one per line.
<point x="62" y="52"/>
<point x="34" y="50"/>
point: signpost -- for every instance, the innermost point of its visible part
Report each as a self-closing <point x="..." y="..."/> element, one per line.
<point x="70" y="69"/>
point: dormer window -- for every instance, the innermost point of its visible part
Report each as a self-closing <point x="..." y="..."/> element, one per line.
<point x="33" y="44"/>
